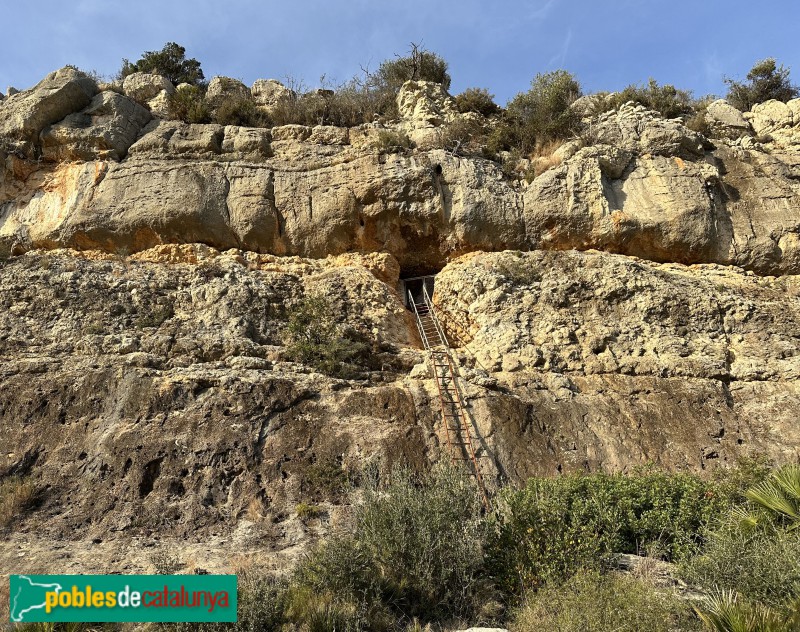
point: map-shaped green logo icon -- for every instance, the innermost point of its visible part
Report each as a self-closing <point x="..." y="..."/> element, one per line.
<point x="27" y="595"/>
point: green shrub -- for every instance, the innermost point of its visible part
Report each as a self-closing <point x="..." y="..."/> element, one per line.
<point x="240" y="111"/>
<point x="155" y="316"/>
<point x="263" y="605"/>
<point x="477" y="100"/>
<point x="305" y="511"/>
<point x="463" y="137"/>
<point x="759" y="564"/>
<point x="165" y="562"/>
<point x="418" y="65"/>
<point x="416" y="550"/>
<point x="17" y="494"/>
<point x="667" y="99"/>
<point x="766" y="80"/>
<point x="314" y="338"/>
<point x="188" y="104"/>
<point x="326" y="478"/>
<point x="554" y="527"/>
<point x="391" y="142"/>
<point x="169" y="62"/>
<point x="727" y="612"/>
<point x="542" y="114"/>
<point x="590" y="602"/>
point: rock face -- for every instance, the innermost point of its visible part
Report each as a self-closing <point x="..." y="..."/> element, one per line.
<point x="605" y="362"/>
<point x="24" y="115"/>
<point x="221" y="89"/>
<point x="726" y="120"/>
<point x="636" y="303"/>
<point x="425" y="103"/>
<point x="144" y="86"/>
<point x="152" y="394"/>
<point x="634" y="184"/>
<point x="267" y="93"/>
<point x="777" y="120"/>
<point x="103" y="131"/>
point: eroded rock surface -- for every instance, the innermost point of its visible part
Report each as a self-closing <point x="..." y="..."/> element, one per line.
<point x="634" y="184"/>
<point x="151" y="395"/>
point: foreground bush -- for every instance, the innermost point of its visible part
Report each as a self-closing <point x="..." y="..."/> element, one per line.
<point x="590" y="602"/>
<point x="755" y="551"/>
<point x="556" y="526"/>
<point x="416" y="551"/>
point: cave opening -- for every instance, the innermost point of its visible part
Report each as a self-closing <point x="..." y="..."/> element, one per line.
<point x="411" y="288"/>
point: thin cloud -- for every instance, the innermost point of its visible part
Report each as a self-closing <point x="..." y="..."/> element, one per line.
<point x="543" y="11"/>
<point x="560" y="58"/>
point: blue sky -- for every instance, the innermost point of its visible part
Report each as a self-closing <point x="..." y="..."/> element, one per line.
<point x="499" y="45"/>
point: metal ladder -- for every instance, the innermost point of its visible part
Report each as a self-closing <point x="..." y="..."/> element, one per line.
<point x="454" y="417"/>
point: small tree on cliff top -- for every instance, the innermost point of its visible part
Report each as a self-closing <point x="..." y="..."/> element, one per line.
<point x="169" y="62"/>
<point x="766" y="80"/>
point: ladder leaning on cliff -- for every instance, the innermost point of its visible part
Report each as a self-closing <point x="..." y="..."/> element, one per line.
<point x="454" y="416"/>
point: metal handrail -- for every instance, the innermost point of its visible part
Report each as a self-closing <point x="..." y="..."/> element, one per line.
<point x="422" y="334"/>
<point x="432" y="312"/>
<point x="442" y="352"/>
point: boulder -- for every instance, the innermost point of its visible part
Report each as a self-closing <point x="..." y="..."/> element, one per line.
<point x="159" y="104"/>
<point x="174" y="139"/>
<point x="247" y="142"/>
<point x="103" y="131"/>
<point x="220" y="89"/>
<point x="24" y="115"/>
<point x="636" y="129"/>
<point x="591" y="105"/>
<point x="777" y="121"/>
<point x="143" y="86"/>
<point x="726" y="121"/>
<point x="11" y="90"/>
<point x="269" y="92"/>
<point x="770" y="116"/>
<point x="425" y="104"/>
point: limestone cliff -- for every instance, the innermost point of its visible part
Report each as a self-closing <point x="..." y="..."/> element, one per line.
<point x="635" y="303"/>
<point x="94" y="170"/>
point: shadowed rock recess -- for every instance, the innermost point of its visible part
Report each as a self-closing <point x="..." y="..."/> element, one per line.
<point x="635" y="303"/>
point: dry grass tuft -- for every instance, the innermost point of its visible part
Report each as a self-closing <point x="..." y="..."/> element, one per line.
<point x="16" y="495"/>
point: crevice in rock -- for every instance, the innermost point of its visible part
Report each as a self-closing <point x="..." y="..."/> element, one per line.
<point x="149" y="476"/>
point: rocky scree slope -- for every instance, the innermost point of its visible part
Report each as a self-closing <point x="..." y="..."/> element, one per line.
<point x="146" y="388"/>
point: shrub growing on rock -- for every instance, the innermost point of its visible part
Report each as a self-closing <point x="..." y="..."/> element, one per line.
<point x="418" y="65"/>
<point x="540" y="115"/>
<point x="666" y="99"/>
<point x="240" y="111"/>
<point x="16" y="495"/>
<point x="169" y="62"/>
<point x="477" y="100"/>
<point x="766" y="80"/>
<point x="391" y="142"/>
<point x="188" y="104"/>
<point x="314" y="338"/>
